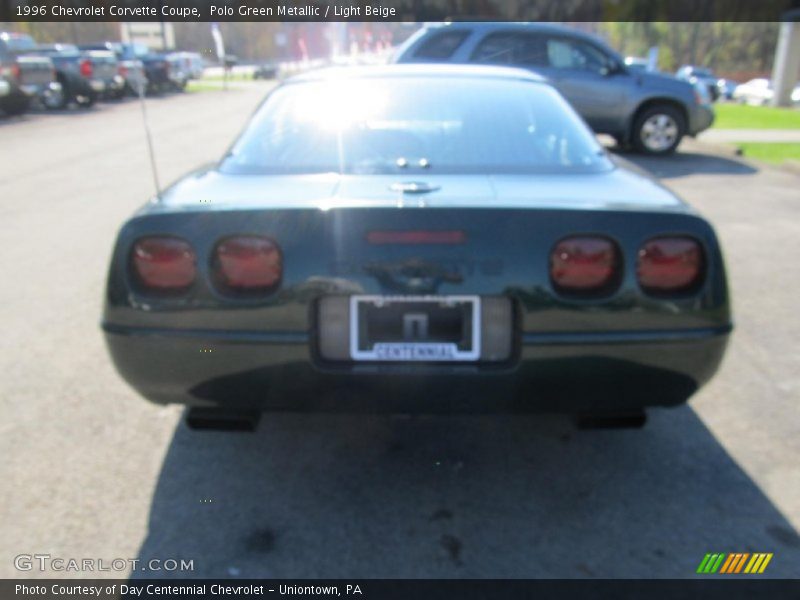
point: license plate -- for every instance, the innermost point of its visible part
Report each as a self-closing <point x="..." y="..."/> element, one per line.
<point x="415" y="328"/>
<point x="97" y="86"/>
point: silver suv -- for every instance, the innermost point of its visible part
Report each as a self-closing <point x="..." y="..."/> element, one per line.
<point x="651" y="112"/>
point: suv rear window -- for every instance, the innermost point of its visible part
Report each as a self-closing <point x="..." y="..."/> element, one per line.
<point x="20" y="43"/>
<point x="441" y="45"/>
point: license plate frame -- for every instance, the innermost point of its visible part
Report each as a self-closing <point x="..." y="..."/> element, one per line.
<point x="415" y="352"/>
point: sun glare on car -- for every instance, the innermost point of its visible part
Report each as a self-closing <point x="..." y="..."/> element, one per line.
<point x="340" y="105"/>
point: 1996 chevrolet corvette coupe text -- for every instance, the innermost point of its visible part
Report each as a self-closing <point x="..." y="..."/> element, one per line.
<point x="417" y="239"/>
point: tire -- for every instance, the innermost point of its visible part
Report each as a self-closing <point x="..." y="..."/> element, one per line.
<point x="15" y="105"/>
<point x="56" y="100"/>
<point x="658" y="130"/>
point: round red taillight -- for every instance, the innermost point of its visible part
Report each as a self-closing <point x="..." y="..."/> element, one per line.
<point x="164" y="263"/>
<point x="248" y="263"/>
<point x="668" y="265"/>
<point x="584" y="265"/>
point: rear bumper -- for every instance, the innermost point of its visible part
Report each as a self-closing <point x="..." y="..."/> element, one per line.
<point x="34" y="89"/>
<point x="570" y="372"/>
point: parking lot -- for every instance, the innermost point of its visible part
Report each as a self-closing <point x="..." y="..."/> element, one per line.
<point x="91" y="470"/>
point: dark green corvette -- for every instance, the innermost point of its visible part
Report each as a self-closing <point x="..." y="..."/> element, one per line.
<point x="417" y="239"/>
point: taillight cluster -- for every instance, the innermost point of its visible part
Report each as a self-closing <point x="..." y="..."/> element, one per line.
<point x="246" y="264"/>
<point x="86" y="68"/>
<point x="163" y="263"/>
<point x="670" y="265"/>
<point x="585" y="265"/>
<point x="590" y="266"/>
<point x="11" y="72"/>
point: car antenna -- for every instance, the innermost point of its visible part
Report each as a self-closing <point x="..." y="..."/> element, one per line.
<point x="149" y="137"/>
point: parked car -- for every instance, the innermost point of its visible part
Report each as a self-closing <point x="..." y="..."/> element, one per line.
<point x="267" y="70"/>
<point x="703" y="75"/>
<point x="652" y="112"/>
<point x="6" y="90"/>
<point x="13" y="100"/>
<point x="156" y="66"/>
<point x="756" y="92"/>
<point x="416" y="238"/>
<point x="179" y="74"/>
<point x="105" y="69"/>
<point x="192" y="64"/>
<point x="84" y="76"/>
<point x="726" y="88"/>
<point x="29" y="77"/>
<point x="759" y="92"/>
<point x="130" y="69"/>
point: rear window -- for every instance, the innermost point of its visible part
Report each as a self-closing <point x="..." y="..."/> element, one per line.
<point x="20" y="43"/>
<point x="409" y="125"/>
<point x="441" y="45"/>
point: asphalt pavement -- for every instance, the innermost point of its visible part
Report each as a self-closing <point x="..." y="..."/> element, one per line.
<point x="90" y="470"/>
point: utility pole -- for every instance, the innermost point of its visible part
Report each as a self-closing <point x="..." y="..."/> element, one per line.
<point x="787" y="59"/>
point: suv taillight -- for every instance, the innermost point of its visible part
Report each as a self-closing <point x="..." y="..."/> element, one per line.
<point x="669" y="265"/>
<point x="164" y="263"/>
<point x="11" y="72"/>
<point x="248" y="263"/>
<point x="585" y="265"/>
<point x="86" y="67"/>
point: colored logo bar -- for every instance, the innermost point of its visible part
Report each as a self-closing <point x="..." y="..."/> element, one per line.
<point x="734" y="562"/>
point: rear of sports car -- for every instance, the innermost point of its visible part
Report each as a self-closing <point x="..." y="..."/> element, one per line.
<point x="590" y="291"/>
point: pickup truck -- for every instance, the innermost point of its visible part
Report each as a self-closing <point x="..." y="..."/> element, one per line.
<point x="131" y="69"/>
<point x="84" y="76"/>
<point x="28" y="77"/>
<point x="156" y="66"/>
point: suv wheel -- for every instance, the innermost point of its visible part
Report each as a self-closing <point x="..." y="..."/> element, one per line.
<point x="658" y="130"/>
